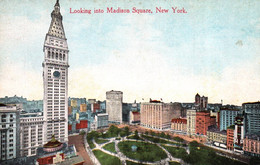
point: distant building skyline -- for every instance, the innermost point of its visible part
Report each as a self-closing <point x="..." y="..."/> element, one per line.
<point x="212" y="49"/>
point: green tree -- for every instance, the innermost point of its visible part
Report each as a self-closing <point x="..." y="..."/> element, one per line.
<point x="122" y="133"/>
<point x="113" y="130"/>
<point x="136" y="136"/>
<point x="82" y="132"/>
<point x="162" y="135"/>
<point x="178" y="139"/>
<point x="168" y="136"/>
<point x="156" y="140"/>
<point x="146" y="132"/>
<point x="152" y="133"/>
<point x="103" y="135"/>
<point x="158" y="134"/>
<point x="92" y="134"/>
<point x="127" y="132"/>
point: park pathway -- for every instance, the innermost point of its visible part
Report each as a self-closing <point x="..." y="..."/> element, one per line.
<point x="123" y="158"/>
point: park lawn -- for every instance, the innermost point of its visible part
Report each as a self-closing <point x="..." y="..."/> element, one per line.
<point x="145" y="151"/>
<point x="174" y="163"/>
<point x="100" y="141"/>
<point x="176" y="152"/>
<point x="178" y="139"/>
<point x="200" y="154"/>
<point x="159" y="140"/>
<point x="110" y="147"/>
<point x="106" y="159"/>
<point x="134" y="137"/>
<point x="133" y="163"/>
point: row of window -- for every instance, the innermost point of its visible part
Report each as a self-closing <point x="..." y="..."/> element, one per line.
<point x="4" y="115"/>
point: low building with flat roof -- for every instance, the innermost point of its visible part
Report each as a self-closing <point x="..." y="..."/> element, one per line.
<point x="179" y="124"/>
<point x="217" y="137"/>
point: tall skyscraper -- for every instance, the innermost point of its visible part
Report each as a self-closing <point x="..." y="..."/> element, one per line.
<point x="252" y="117"/>
<point x="239" y="134"/>
<point x="191" y="121"/>
<point x="55" y="79"/>
<point x="227" y="117"/>
<point x="201" y="103"/>
<point x="114" y="103"/>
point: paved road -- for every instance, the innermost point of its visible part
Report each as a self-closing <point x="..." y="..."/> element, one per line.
<point x="78" y="141"/>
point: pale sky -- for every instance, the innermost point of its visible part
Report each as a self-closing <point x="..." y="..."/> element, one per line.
<point x="212" y="50"/>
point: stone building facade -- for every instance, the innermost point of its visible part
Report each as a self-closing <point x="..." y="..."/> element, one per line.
<point x="216" y="137"/>
<point x="252" y="117"/>
<point x="201" y="103"/>
<point x="191" y="121"/>
<point x="179" y="124"/>
<point x="32" y="134"/>
<point x="134" y="117"/>
<point x="203" y="121"/>
<point x="9" y="132"/>
<point x="55" y="79"/>
<point x="83" y="107"/>
<point x="157" y="115"/>
<point x="114" y="104"/>
<point x="230" y="137"/>
<point x="227" y="117"/>
<point x="239" y="134"/>
<point x="251" y="145"/>
<point x="101" y="120"/>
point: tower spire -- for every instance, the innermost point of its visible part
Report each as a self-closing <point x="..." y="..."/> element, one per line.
<point x="56" y="28"/>
<point x="55" y="79"/>
<point x="57" y="3"/>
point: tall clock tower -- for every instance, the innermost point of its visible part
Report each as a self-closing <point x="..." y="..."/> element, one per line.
<point x="55" y="79"/>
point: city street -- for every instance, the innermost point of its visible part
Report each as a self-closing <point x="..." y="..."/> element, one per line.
<point x="78" y="141"/>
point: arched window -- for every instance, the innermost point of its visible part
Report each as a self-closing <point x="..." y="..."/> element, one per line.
<point x="52" y="55"/>
<point x="57" y="56"/>
<point x="49" y="54"/>
<point x="63" y="57"/>
<point x="60" y="56"/>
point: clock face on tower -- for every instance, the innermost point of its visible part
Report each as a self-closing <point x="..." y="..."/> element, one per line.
<point x="56" y="74"/>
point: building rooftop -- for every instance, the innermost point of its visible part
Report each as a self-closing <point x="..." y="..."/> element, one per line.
<point x="254" y="136"/>
<point x="2" y="105"/>
<point x="8" y="108"/>
<point x="102" y="114"/>
<point x="155" y="101"/>
<point x="179" y="120"/>
<point x="72" y="161"/>
<point x="216" y="130"/>
<point x="53" y="143"/>
<point x="67" y="150"/>
<point x="231" y="127"/>
<point x="228" y="109"/>
<point x="112" y="91"/>
<point x="135" y="112"/>
<point x="21" y="161"/>
<point x="258" y="102"/>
